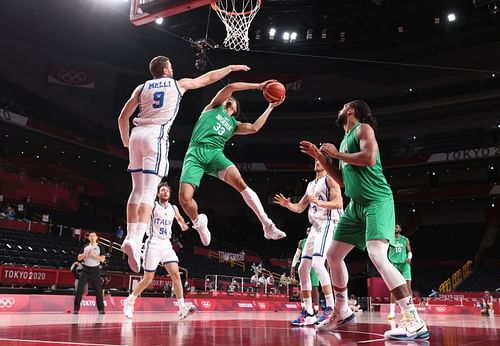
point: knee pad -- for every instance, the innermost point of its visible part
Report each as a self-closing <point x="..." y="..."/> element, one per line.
<point x="318" y="264"/>
<point x="149" y="188"/>
<point x="305" y="275"/>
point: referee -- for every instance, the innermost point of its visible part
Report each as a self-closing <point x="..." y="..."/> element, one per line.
<point x="92" y="255"/>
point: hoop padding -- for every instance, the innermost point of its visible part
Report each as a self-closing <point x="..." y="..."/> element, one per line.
<point x="237" y="15"/>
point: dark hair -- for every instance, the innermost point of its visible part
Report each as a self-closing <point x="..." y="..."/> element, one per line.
<point x="157" y="65"/>
<point x="364" y="113"/>
<point x="398" y="224"/>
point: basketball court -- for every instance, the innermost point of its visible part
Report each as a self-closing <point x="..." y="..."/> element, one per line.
<point x="229" y="328"/>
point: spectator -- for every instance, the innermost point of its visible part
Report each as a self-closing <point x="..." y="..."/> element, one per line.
<point x="487" y="304"/>
<point x="353" y="303"/>
<point x="119" y="234"/>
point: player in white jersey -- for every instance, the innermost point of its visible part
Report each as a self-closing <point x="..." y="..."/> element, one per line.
<point x="158" y="100"/>
<point x="325" y="203"/>
<point x="159" y="250"/>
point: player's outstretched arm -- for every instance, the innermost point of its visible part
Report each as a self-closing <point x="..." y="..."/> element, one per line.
<point x="208" y="78"/>
<point x="252" y="128"/>
<point x="229" y="89"/>
<point x="180" y="220"/>
<point x="285" y="202"/>
<point x="127" y="111"/>
<point x="312" y="150"/>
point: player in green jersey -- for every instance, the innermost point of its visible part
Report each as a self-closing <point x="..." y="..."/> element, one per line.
<point x="368" y="221"/>
<point x="215" y="126"/>
<point x="400" y="255"/>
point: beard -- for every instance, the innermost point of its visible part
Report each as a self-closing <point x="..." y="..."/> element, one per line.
<point x="341" y="119"/>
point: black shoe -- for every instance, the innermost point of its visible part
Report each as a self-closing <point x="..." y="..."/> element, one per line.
<point x="102" y="312"/>
<point x="76" y="312"/>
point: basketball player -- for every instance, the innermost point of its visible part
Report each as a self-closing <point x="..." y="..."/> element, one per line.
<point x="159" y="250"/>
<point x="313" y="275"/>
<point x="400" y="256"/>
<point x="159" y="100"/>
<point x="215" y="126"/>
<point x="368" y="221"/>
<point x="324" y="199"/>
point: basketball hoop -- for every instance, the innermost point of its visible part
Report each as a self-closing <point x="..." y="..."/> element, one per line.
<point x="237" y="15"/>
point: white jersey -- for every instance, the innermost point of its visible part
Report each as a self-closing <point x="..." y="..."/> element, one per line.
<point x="161" y="222"/>
<point x="158" y="102"/>
<point x="319" y="188"/>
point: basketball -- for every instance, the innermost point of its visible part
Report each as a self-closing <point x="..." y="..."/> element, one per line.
<point x="274" y="91"/>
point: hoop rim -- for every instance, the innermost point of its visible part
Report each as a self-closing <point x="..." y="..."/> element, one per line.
<point x="215" y="7"/>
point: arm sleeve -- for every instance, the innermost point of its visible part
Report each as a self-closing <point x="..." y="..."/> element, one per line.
<point x="296" y="257"/>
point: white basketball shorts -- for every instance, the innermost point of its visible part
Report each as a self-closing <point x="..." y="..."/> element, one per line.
<point x="319" y="239"/>
<point x="148" y="150"/>
<point x="158" y="252"/>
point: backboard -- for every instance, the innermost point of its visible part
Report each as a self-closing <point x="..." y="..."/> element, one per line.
<point x="147" y="11"/>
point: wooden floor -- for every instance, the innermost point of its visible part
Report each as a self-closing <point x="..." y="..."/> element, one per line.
<point x="229" y="328"/>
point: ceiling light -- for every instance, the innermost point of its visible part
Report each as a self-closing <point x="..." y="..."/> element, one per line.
<point x="451" y="17"/>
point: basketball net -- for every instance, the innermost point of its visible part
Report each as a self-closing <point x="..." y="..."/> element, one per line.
<point x="237" y="15"/>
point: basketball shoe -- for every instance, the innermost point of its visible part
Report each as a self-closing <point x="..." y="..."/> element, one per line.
<point x="326" y="316"/>
<point x="201" y="226"/>
<point x="304" y="319"/>
<point x="186" y="311"/>
<point x="134" y="256"/>
<point x="338" y="320"/>
<point x="128" y="307"/>
<point x="408" y="329"/>
<point x="272" y="232"/>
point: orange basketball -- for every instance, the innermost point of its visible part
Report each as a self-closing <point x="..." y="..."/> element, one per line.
<point x="274" y="91"/>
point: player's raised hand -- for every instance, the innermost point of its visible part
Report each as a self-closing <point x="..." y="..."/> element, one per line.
<point x="235" y="68"/>
<point x="281" y="200"/>
<point x="277" y="103"/>
<point x="310" y="149"/>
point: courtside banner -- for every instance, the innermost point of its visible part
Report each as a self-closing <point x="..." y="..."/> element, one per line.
<point x="71" y="76"/>
<point x="40" y="303"/>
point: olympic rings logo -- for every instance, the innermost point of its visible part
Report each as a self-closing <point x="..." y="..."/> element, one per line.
<point x="440" y="308"/>
<point x="71" y="76"/>
<point x="7" y="302"/>
<point x="206" y="304"/>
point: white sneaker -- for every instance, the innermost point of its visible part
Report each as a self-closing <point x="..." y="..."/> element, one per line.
<point x="409" y="329"/>
<point x="186" y="311"/>
<point x="272" y="232"/>
<point x="128" y="308"/>
<point x="336" y="321"/>
<point x="202" y="227"/>
<point x="134" y="257"/>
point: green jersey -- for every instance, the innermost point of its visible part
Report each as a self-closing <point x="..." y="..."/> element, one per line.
<point x="397" y="253"/>
<point x="364" y="184"/>
<point x="213" y="129"/>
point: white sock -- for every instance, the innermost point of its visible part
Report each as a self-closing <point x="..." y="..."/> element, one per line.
<point x="180" y="302"/>
<point x="302" y="305"/>
<point x="309" y="305"/>
<point x="131" y="298"/>
<point x="131" y="230"/>
<point x="329" y="300"/>
<point x="407" y="307"/>
<point x="141" y="229"/>
<point x="341" y="301"/>
<point x="392" y="307"/>
<point x="316" y="308"/>
<point x="253" y="201"/>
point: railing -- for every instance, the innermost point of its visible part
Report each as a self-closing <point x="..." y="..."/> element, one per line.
<point x="456" y="278"/>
